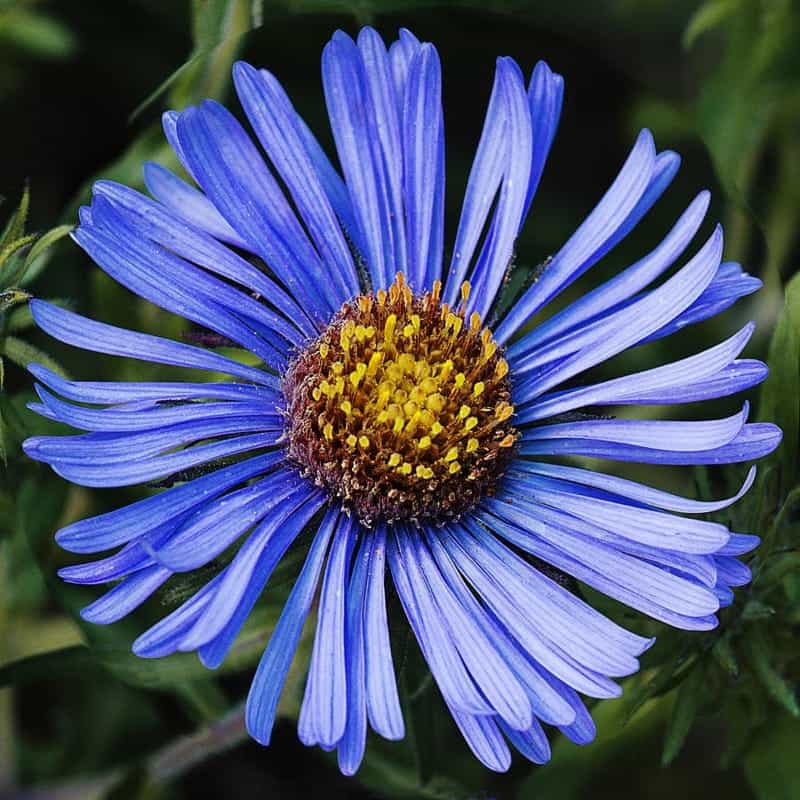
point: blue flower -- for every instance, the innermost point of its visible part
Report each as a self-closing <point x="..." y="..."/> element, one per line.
<point x="389" y="405"/>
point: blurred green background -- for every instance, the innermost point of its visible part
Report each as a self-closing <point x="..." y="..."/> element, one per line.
<point x="82" y="85"/>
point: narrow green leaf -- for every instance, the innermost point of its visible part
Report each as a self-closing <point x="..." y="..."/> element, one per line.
<point x="687" y="703"/>
<point x="708" y="16"/>
<point x="777" y="688"/>
<point x="15" y="228"/>
<point x="664" y="680"/>
<point x="14" y="246"/>
<point x="20" y="319"/>
<point x="21" y="353"/>
<point x="39" y="255"/>
<point x="217" y="27"/>
<point x="780" y="393"/>
<point x="38" y="33"/>
<point x="724" y="655"/>
<point x="779" y="567"/>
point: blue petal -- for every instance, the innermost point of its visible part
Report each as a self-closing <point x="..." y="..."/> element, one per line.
<point x="351" y="746"/>
<point x="638" y="584"/>
<point x="125" y="391"/>
<point x="125" y="596"/>
<point x="739" y="544"/>
<point x="596" y="235"/>
<point x="491" y="674"/>
<point x="383" y="113"/>
<point x="401" y="53"/>
<point x="633" y="323"/>
<point x="738" y="376"/>
<point x="498" y="249"/>
<point x="484" y="739"/>
<point x="545" y="703"/>
<point x="163" y="227"/>
<point x="732" y="572"/>
<point x="545" y="96"/>
<point x="532" y="743"/>
<point x="698" y="372"/>
<point x="644" y="525"/>
<point x="98" y="337"/>
<point x="566" y="621"/>
<point x="157" y="416"/>
<point x="428" y="624"/>
<point x="129" y="522"/>
<point x="751" y="443"/>
<point x="512" y="608"/>
<point x="276" y="124"/>
<point x="323" y="713"/>
<point x="114" y="450"/>
<point x="219" y="523"/>
<point x="632" y="491"/>
<point x="189" y="204"/>
<point x="622" y="286"/>
<point x="214" y="653"/>
<point x="244" y="578"/>
<point x="265" y="690"/>
<point x="729" y="285"/>
<point x="681" y="436"/>
<point x="423" y="172"/>
<point x="484" y="180"/>
<point x="160" y="467"/>
<point x="236" y="179"/>
<point x="383" y="703"/>
<point x="165" y="636"/>
<point x="353" y="122"/>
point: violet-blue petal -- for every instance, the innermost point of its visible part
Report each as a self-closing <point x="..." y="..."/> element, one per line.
<point x="276" y="124"/>
<point x="88" y="334"/>
<point x="351" y="747"/>
<point x="189" y="204"/>
<point x="383" y="703"/>
<point x="423" y="175"/>
<point x="452" y="678"/>
<point x="125" y="596"/>
<point x="592" y="238"/>
<point x="323" y="712"/>
<point x="267" y="685"/>
<point x="129" y="522"/>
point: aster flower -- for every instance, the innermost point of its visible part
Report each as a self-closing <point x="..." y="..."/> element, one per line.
<point x="388" y="405"/>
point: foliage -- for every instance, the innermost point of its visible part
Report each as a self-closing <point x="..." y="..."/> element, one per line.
<point x="80" y="716"/>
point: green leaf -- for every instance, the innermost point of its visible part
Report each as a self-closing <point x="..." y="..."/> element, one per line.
<point x="724" y="655"/>
<point x="22" y="354"/>
<point x="15" y="228"/>
<point x="68" y="660"/>
<point x="14" y="246"/>
<point x="780" y="393"/>
<point x="772" y="765"/>
<point x="38" y="33"/>
<point x="39" y="255"/>
<point x="777" y="688"/>
<point x="217" y="27"/>
<point x="687" y="703"/>
<point x="708" y="16"/>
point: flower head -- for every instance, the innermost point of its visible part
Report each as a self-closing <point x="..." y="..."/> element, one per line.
<point x="386" y="407"/>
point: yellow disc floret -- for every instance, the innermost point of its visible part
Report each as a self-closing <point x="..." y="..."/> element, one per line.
<point x="401" y="408"/>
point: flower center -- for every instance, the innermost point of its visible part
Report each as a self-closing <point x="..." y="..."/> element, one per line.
<point x="401" y="408"/>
